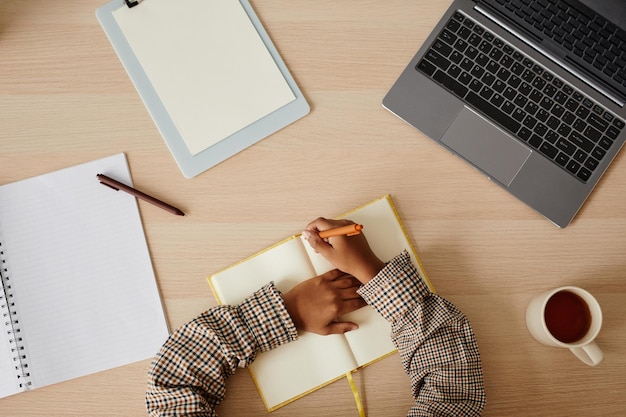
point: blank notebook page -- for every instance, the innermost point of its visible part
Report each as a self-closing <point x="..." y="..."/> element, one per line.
<point x="83" y="282"/>
<point x="208" y="65"/>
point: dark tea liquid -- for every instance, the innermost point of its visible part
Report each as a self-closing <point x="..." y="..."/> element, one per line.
<point x="567" y="317"/>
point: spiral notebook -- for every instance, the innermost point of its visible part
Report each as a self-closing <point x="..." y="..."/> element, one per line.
<point x="207" y="72"/>
<point x="78" y="292"/>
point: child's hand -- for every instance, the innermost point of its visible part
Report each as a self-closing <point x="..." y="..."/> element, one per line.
<point x="350" y="254"/>
<point x="315" y="304"/>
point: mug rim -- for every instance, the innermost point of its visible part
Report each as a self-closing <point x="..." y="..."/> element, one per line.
<point x="594" y="309"/>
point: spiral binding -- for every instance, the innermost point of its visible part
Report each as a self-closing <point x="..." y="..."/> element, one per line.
<point x="12" y="325"/>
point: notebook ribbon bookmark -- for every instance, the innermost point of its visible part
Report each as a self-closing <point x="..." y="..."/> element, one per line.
<point x="355" y="393"/>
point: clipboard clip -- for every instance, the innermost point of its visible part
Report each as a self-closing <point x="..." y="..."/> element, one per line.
<point x="131" y="3"/>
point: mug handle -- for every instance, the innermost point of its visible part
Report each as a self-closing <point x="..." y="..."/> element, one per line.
<point x="590" y="354"/>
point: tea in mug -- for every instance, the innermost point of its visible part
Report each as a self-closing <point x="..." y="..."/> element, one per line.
<point x="567" y="316"/>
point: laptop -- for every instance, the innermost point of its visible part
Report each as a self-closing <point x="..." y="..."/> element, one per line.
<point x="530" y="92"/>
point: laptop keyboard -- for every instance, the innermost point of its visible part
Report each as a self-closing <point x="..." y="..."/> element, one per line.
<point x="576" y="32"/>
<point x="520" y="95"/>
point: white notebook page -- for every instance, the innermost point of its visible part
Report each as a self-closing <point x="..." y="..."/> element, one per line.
<point x="208" y="65"/>
<point x="85" y="290"/>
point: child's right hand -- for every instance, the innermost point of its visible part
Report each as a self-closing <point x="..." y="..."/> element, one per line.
<point x="350" y="254"/>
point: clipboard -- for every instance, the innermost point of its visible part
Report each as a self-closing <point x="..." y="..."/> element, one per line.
<point x="207" y="72"/>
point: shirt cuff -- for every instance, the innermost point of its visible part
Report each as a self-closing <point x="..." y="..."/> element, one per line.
<point x="266" y="317"/>
<point x="396" y="289"/>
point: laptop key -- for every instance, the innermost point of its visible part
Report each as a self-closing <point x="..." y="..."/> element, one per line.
<point x="591" y="163"/>
<point x="475" y="85"/>
<point x="553" y="123"/>
<point x="581" y="141"/>
<point x="442" y="48"/>
<point x="579" y="125"/>
<point x="499" y="86"/>
<point x="566" y="146"/>
<point x="543" y="115"/>
<point x="530" y="122"/>
<point x="508" y="107"/>
<point x="582" y="112"/>
<point x="535" y="141"/>
<point x="592" y="134"/>
<point x="460" y="45"/>
<point x="466" y="64"/>
<point x="605" y="143"/>
<point x="561" y="159"/>
<point x="488" y="79"/>
<point x="454" y="71"/>
<point x="560" y="97"/>
<point x="524" y="134"/>
<point x="541" y="129"/>
<point x="426" y="67"/>
<point x="551" y="136"/>
<point x="453" y="25"/>
<point x="456" y="57"/>
<point x="520" y="100"/>
<point x="571" y="105"/>
<point x="597" y="122"/>
<point x="450" y="83"/>
<point x="546" y="103"/>
<point x="497" y="100"/>
<point x="471" y="52"/>
<point x="478" y="71"/>
<point x="572" y="166"/>
<point x="518" y="115"/>
<point x="584" y="174"/>
<point x="580" y="156"/>
<point x="598" y="153"/>
<point x="608" y="117"/>
<point x="437" y="59"/>
<point x="474" y="39"/>
<point x="464" y="32"/>
<point x="486" y="92"/>
<point x="613" y="132"/>
<point x="448" y="37"/>
<point x="465" y="78"/>
<point x="509" y="93"/>
<point x="564" y="129"/>
<point x="548" y="150"/>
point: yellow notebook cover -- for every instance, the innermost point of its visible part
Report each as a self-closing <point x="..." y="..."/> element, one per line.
<point x="328" y="358"/>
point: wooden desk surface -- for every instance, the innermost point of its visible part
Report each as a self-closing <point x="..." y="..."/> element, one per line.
<point x="65" y="99"/>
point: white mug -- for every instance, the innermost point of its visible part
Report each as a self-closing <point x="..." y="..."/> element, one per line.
<point x="555" y="317"/>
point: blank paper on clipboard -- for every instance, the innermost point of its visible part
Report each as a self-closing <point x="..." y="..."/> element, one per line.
<point x="207" y="72"/>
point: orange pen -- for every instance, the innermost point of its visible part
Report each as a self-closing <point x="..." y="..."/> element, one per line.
<point x="349" y="230"/>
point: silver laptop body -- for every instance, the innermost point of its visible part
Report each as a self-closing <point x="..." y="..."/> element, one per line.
<point x="544" y="170"/>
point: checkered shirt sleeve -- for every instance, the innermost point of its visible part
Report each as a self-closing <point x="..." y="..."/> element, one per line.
<point x="435" y="341"/>
<point x="188" y="375"/>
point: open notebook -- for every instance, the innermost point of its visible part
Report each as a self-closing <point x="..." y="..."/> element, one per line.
<point x="78" y="291"/>
<point x="313" y="361"/>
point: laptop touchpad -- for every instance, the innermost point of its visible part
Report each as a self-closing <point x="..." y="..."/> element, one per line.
<point x="486" y="146"/>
